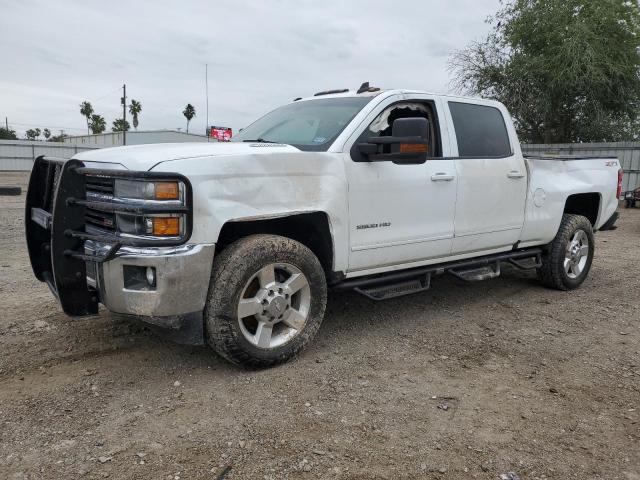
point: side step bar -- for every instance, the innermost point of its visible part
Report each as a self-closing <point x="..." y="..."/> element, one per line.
<point x="405" y="282"/>
<point x="477" y="274"/>
<point x="397" y="289"/>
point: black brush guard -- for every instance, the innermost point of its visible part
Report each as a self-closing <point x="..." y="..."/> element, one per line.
<point x="55" y="227"/>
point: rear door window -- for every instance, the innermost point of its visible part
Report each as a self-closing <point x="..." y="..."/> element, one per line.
<point x="480" y="130"/>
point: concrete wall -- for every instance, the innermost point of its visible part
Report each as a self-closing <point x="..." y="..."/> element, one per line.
<point x="19" y="155"/>
<point x="105" y="140"/>
<point x="628" y="154"/>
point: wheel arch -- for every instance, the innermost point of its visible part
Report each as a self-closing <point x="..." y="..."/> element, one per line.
<point x="585" y="204"/>
<point x="312" y="229"/>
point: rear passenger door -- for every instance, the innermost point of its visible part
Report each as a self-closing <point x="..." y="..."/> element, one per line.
<point x="492" y="180"/>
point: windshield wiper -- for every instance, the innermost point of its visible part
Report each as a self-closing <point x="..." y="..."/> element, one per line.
<point x="259" y="140"/>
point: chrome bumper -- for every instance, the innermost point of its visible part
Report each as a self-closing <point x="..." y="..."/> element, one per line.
<point x="182" y="280"/>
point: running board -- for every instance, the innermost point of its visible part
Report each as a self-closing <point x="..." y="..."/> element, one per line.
<point x="396" y="289"/>
<point x="477" y="274"/>
<point x="405" y="282"/>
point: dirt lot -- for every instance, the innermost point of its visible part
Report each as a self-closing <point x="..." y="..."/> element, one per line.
<point x="464" y="381"/>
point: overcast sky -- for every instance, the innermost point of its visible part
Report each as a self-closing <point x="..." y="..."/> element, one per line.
<point x="261" y="54"/>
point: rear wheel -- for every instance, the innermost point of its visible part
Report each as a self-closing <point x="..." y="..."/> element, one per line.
<point x="266" y="300"/>
<point x="567" y="261"/>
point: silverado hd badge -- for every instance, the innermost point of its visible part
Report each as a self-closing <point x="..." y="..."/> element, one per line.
<point x="373" y="225"/>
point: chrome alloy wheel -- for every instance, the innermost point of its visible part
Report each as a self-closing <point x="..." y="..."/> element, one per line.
<point x="274" y="305"/>
<point x="577" y="254"/>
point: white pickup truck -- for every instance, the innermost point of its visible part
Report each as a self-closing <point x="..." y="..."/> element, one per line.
<point x="236" y="244"/>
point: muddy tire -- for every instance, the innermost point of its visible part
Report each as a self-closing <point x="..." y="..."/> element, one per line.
<point x="266" y="300"/>
<point x="567" y="259"/>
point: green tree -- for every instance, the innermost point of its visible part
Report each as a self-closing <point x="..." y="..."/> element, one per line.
<point x="189" y="112"/>
<point x="7" y="134"/>
<point x="119" y="125"/>
<point x="134" y="109"/>
<point x="31" y="134"/>
<point x="47" y="133"/>
<point x="98" y="124"/>
<point x="38" y="132"/>
<point x="568" y="70"/>
<point x="58" y="138"/>
<point x="86" y="110"/>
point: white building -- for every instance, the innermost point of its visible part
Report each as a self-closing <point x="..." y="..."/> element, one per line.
<point x="114" y="139"/>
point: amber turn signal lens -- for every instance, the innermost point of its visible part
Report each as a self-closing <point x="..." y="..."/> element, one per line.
<point x="167" y="191"/>
<point x="166" y="226"/>
<point x="414" y="148"/>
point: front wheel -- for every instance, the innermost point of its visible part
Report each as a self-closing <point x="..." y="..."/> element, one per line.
<point x="266" y="300"/>
<point x="567" y="261"/>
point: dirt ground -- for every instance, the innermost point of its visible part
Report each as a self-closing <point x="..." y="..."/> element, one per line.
<point x="498" y="378"/>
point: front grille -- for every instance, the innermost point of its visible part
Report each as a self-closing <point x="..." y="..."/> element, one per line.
<point x="100" y="189"/>
<point x="101" y="185"/>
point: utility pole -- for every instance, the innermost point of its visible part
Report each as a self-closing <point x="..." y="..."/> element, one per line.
<point x="206" y="86"/>
<point x="6" y="123"/>
<point x="124" y="114"/>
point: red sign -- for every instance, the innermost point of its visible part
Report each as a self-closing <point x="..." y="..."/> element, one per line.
<point x="222" y="134"/>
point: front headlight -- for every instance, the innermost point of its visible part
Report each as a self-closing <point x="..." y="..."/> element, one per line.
<point x="143" y="190"/>
<point x="164" y="192"/>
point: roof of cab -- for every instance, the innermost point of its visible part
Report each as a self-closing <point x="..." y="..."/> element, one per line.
<point x="397" y="91"/>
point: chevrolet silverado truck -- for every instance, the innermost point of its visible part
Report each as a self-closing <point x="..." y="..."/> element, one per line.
<point x="237" y="244"/>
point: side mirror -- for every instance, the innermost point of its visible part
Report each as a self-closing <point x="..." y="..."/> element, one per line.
<point x="408" y="144"/>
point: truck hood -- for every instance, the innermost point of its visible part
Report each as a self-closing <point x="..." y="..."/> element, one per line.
<point x="145" y="157"/>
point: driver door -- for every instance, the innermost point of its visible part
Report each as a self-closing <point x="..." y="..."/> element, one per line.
<point x="400" y="214"/>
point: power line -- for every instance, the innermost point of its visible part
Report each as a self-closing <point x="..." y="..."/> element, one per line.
<point x="106" y="95"/>
<point x="74" y="109"/>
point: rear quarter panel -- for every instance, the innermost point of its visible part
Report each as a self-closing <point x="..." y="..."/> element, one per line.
<point x="552" y="181"/>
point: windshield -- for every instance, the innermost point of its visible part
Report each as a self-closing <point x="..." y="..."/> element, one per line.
<point x="310" y="125"/>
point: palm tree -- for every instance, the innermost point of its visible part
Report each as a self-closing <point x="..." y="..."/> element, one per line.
<point x="189" y="112"/>
<point x="98" y="124"/>
<point x="120" y="125"/>
<point x="86" y="110"/>
<point x="134" y="109"/>
<point x="47" y="133"/>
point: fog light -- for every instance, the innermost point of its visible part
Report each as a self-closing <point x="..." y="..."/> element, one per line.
<point x="166" y="226"/>
<point x="151" y="276"/>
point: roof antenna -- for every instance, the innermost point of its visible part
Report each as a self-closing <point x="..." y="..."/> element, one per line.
<point x="363" y="88"/>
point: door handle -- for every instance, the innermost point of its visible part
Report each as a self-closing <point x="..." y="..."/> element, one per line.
<point x="442" y="177"/>
<point x="515" y="174"/>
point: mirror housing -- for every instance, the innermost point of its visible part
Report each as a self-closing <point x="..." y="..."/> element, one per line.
<point x="409" y="143"/>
